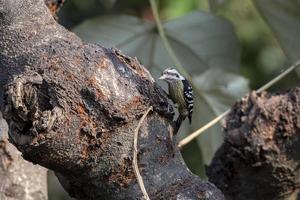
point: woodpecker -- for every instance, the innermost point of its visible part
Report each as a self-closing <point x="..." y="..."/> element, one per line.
<point x="181" y="93"/>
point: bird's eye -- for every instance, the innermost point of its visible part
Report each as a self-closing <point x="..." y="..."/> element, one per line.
<point x="177" y="75"/>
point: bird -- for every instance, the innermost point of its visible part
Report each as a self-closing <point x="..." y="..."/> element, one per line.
<point x="180" y="92"/>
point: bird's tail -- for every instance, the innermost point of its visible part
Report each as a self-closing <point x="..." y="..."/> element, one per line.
<point x="190" y="118"/>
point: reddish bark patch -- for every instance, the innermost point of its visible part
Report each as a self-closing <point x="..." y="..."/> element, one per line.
<point x="92" y="82"/>
<point x="104" y="63"/>
<point x="54" y="5"/>
<point x="133" y="104"/>
<point x="123" y="175"/>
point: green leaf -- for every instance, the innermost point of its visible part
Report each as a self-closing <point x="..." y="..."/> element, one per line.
<point x="209" y="141"/>
<point x="216" y="5"/>
<point x="206" y="46"/>
<point x="283" y="18"/>
<point x="112" y="31"/>
<point x="200" y="40"/>
<point x="108" y="3"/>
<point x="218" y="95"/>
<point x="221" y="92"/>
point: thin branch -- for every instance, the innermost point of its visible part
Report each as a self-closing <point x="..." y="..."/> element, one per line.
<point x="220" y="117"/>
<point x="195" y="134"/>
<point x="165" y="40"/>
<point x="279" y="77"/>
<point x="183" y="71"/>
<point x="172" y="54"/>
<point x="135" y="151"/>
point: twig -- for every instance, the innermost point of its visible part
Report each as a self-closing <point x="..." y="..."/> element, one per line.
<point x="165" y="40"/>
<point x="195" y="134"/>
<point x="220" y="117"/>
<point x="279" y="77"/>
<point x="135" y="151"/>
<point x="172" y="54"/>
<point x="183" y="71"/>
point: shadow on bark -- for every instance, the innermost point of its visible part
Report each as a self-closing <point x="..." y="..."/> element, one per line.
<point x="73" y="107"/>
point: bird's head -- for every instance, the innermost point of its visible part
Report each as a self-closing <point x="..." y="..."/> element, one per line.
<point x="171" y="75"/>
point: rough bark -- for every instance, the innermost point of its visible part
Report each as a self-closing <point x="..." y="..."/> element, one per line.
<point x="19" y="179"/>
<point x="54" y="5"/>
<point x="260" y="157"/>
<point x="73" y="107"/>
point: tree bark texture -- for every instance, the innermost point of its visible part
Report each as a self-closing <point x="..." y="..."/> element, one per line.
<point x="73" y="107"/>
<point x="260" y="157"/>
<point x="19" y="179"/>
<point x="54" y="5"/>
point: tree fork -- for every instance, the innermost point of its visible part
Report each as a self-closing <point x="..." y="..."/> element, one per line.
<point x="73" y="107"/>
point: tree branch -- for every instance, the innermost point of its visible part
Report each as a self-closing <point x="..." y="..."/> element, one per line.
<point x="260" y="155"/>
<point x="201" y="130"/>
<point x="73" y="107"/>
<point x="20" y="180"/>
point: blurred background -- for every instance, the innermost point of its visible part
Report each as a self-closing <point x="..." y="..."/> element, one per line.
<point x="228" y="47"/>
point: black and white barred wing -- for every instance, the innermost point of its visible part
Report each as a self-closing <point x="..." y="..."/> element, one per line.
<point x="189" y="98"/>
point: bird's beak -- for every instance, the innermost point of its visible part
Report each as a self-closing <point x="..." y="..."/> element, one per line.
<point x="163" y="77"/>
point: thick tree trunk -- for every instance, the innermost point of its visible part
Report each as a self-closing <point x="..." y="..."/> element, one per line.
<point x="19" y="179"/>
<point x="73" y="108"/>
<point x="260" y="157"/>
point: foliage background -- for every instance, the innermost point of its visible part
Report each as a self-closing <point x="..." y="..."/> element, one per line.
<point x="249" y="52"/>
